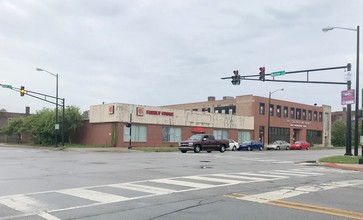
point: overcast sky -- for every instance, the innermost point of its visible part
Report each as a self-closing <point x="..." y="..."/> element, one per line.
<point x="163" y="52"/>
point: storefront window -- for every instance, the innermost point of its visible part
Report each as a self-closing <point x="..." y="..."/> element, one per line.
<point x="220" y="134"/>
<point x="244" y="136"/>
<point x="138" y="133"/>
<point x="171" y="134"/>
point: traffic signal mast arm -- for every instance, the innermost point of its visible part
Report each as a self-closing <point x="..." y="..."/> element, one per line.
<point x="262" y="77"/>
<point x="37" y="95"/>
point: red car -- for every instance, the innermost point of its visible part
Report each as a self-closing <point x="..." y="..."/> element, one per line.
<point x="300" y="145"/>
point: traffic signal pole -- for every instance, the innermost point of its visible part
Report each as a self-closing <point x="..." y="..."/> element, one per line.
<point x="262" y="77"/>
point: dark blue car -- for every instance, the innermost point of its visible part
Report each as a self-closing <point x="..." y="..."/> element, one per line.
<point x="251" y="145"/>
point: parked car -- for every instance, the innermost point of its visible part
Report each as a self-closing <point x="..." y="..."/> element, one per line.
<point x="277" y="145"/>
<point x="251" y="145"/>
<point x="233" y="145"/>
<point x="300" y="145"/>
<point x="199" y="142"/>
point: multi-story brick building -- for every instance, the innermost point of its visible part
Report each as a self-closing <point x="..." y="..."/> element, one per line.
<point x="288" y="120"/>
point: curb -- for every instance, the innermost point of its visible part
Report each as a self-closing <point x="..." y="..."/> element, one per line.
<point x="356" y="167"/>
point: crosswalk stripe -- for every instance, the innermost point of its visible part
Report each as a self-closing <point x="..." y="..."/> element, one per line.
<point x="93" y="195"/>
<point x="183" y="183"/>
<point x="250" y="179"/>
<point x="143" y="188"/>
<point x="48" y="216"/>
<point x="213" y="179"/>
<point x="285" y="173"/>
<point x="21" y="203"/>
<point x="297" y="171"/>
<point x="262" y="175"/>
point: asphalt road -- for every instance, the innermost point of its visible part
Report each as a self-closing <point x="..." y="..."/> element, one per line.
<point x="53" y="184"/>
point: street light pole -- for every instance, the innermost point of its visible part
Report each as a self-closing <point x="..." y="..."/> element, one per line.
<point x="56" y="105"/>
<point x="269" y="114"/>
<point x="356" y="117"/>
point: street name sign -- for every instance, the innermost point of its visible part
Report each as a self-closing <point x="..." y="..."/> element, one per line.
<point x="278" y="73"/>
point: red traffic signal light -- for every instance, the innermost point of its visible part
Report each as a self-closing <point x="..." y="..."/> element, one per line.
<point x="262" y="73"/>
<point x="22" y="90"/>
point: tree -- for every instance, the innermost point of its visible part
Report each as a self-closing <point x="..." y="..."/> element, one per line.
<point x="41" y="125"/>
<point x="73" y="119"/>
<point x="15" y="127"/>
<point x="338" y="133"/>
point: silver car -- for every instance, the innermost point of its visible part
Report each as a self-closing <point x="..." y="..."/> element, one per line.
<point x="277" y="145"/>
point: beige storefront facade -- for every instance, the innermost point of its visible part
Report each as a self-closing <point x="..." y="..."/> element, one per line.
<point x="157" y="126"/>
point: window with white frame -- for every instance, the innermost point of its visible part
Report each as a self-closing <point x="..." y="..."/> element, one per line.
<point x="171" y="134"/>
<point x="138" y="133"/>
<point x="220" y="134"/>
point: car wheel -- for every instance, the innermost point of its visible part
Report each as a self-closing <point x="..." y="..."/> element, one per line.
<point x="183" y="151"/>
<point x="287" y="148"/>
<point x="234" y="148"/>
<point x="222" y="149"/>
<point x="197" y="149"/>
<point x="249" y="149"/>
<point x="209" y="151"/>
<point x="278" y="148"/>
<point x="260" y="148"/>
<point x="307" y="148"/>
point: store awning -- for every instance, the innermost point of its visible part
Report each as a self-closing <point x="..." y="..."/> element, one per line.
<point x="198" y="130"/>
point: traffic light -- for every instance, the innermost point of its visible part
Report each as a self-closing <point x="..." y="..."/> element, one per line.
<point x="22" y="90"/>
<point x="236" y="78"/>
<point x="262" y="74"/>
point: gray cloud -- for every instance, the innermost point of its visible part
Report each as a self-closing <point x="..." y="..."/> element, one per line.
<point x="163" y="52"/>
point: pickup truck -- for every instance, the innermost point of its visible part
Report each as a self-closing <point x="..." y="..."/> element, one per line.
<point x="198" y="142"/>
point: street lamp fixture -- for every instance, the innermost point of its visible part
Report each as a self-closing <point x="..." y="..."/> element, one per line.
<point x="56" y="105"/>
<point x="356" y="117"/>
<point x="269" y="113"/>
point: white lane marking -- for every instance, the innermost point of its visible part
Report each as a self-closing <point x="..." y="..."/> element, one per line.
<point x="143" y="188"/>
<point x="213" y="179"/>
<point x="262" y="175"/>
<point x="184" y="183"/>
<point x="22" y="203"/>
<point x="285" y="173"/>
<point x="251" y="179"/>
<point x="287" y="193"/>
<point x="25" y="203"/>
<point x="48" y="216"/>
<point x="298" y="172"/>
<point x="283" y="162"/>
<point x="93" y="195"/>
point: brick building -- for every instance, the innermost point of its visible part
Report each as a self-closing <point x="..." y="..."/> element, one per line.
<point x="289" y="121"/>
<point x="240" y="118"/>
<point x="157" y="126"/>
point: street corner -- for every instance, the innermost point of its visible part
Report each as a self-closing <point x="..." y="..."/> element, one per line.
<point x="356" y="167"/>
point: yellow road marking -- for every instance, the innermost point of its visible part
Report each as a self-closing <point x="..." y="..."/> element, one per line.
<point x="318" y="209"/>
<point x="308" y="207"/>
